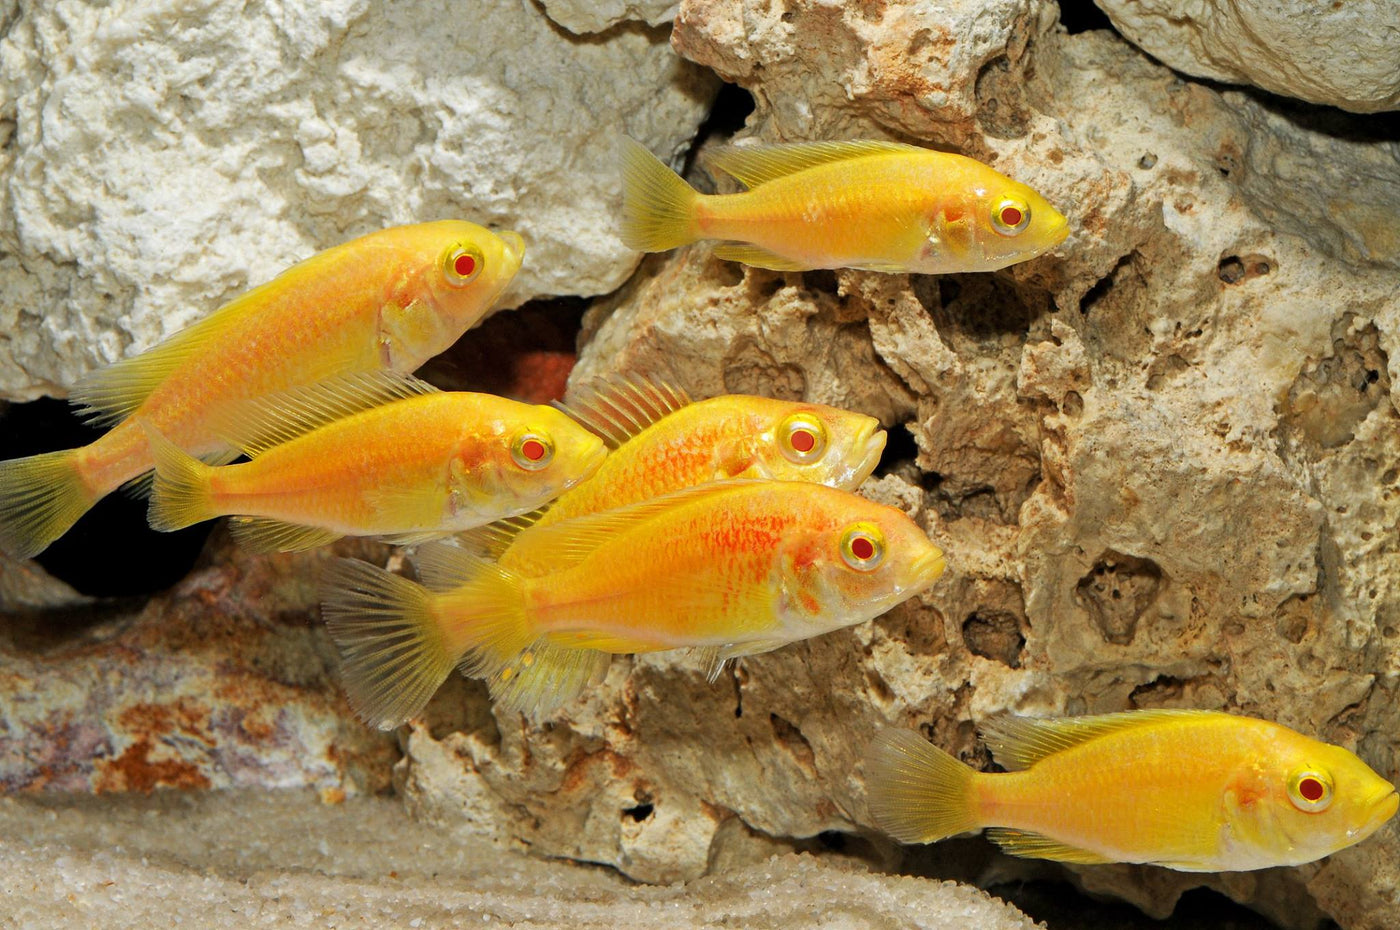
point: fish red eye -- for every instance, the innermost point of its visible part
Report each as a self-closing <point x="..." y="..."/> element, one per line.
<point x="461" y="264"/>
<point x="532" y="451"/>
<point x="1011" y="217"/>
<point x="803" y="440"/>
<point x="862" y="549"/>
<point x="1311" y="789"/>
<point x="464" y="265"/>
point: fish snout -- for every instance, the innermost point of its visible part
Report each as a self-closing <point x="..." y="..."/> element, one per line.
<point x="515" y="247"/>
<point x="1058" y="229"/>
<point x="870" y="442"/>
<point x="927" y="568"/>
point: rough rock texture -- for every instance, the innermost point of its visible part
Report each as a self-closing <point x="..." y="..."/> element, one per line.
<point x="235" y="859"/>
<point x="1162" y="460"/>
<point x="158" y="158"/>
<point x="586" y="16"/>
<point x="1343" y="54"/>
<point x="224" y="681"/>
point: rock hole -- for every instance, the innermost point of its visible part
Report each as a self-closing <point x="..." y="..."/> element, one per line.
<point x="1231" y="269"/>
<point x="639" y="813"/>
<point x="1101" y="287"/>
<point x="1147" y="162"/>
<point x="1156" y="692"/>
<point x="1116" y="592"/>
<point x="1082" y="15"/>
<point x="525" y="355"/>
<point x="788" y="736"/>
<point x="821" y="281"/>
<point x="995" y="635"/>
<point x="728" y="114"/>
<point x="900" y="451"/>
<point x="832" y="840"/>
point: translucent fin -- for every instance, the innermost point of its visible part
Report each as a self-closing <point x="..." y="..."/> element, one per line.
<point x="758" y="257"/>
<point x="262" y="534"/>
<point x="140" y="487"/>
<point x="393" y="655"/>
<point x="617" y="409"/>
<point x="492" y="540"/>
<point x="658" y="207"/>
<point x="1020" y="742"/>
<point x="1037" y="846"/>
<point x="714" y="658"/>
<point x="758" y="164"/>
<point x="180" y="495"/>
<point x="41" y="497"/>
<point x="917" y="792"/>
<point x="412" y="539"/>
<point x="442" y="566"/>
<point x="257" y="424"/>
<point x="545" y="677"/>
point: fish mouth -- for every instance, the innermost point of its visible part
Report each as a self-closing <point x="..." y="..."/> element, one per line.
<point x="928" y="568"/>
<point x="592" y="464"/>
<point x="514" y="247"/>
<point x="1058" y="230"/>
<point x="871" y="442"/>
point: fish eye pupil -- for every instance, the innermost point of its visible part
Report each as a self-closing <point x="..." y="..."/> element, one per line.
<point x="1311" y="789"/>
<point x="464" y="265"/>
<point x="1010" y="216"/>
<point x="862" y="548"/>
<point x="803" y="440"/>
<point x="532" y="449"/>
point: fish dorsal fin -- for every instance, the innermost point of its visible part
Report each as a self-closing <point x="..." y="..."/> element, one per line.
<point x="1038" y="846"/>
<point x="492" y="540"/>
<point x="616" y="409"/>
<point x="758" y="164"/>
<point x="257" y="424"/>
<point x="1019" y="742"/>
<point x="747" y="254"/>
<point x="260" y="534"/>
<point x="569" y="542"/>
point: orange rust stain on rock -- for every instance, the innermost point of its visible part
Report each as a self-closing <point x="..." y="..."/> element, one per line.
<point x="184" y="716"/>
<point x="135" y="770"/>
<point x="577" y="775"/>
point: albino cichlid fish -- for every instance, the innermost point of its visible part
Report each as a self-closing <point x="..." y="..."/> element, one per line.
<point x="881" y="206"/>
<point x="389" y="300"/>
<point x="1198" y="791"/>
<point x="373" y="454"/>
<point x="732" y="568"/>
<point x="663" y="442"/>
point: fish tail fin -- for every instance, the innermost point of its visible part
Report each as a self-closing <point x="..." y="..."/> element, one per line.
<point x="41" y="497"/>
<point x="658" y="207"/>
<point x="398" y="641"/>
<point x="917" y="792"/>
<point x="180" y="493"/>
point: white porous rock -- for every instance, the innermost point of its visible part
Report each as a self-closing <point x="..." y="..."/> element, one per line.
<point x="1346" y="54"/>
<point x="586" y="16"/>
<point x="1161" y="459"/>
<point x="161" y="156"/>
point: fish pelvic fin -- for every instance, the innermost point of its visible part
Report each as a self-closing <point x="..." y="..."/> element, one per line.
<point x="1038" y="846"/>
<point x="180" y="492"/>
<point x="759" y="257"/>
<point x="41" y="497"/>
<point x="917" y="792"/>
<point x="658" y="206"/>
<point x="264" y="534"/>
<point x="546" y="676"/>
<point x="394" y="654"/>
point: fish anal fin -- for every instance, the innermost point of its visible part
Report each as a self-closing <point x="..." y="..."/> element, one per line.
<point x="1019" y="742"/>
<point x="758" y="164"/>
<point x="758" y="257"/>
<point x="256" y="424"/>
<point x="1038" y="846"/>
<point x="261" y="534"/>
<point x="617" y="409"/>
<point x="545" y="676"/>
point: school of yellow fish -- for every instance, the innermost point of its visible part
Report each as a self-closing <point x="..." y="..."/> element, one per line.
<point x="632" y="519"/>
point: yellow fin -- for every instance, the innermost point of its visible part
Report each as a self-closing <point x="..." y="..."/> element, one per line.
<point x="758" y="257"/>
<point x="140" y="487"/>
<point x="492" y="540"/>
<point x="917" y="793"/>
<point x="393" y="656"/>
<point x="546" y="676"/>
<point x="257" y="424"/>
<point x="617" y="409"/>
<point x="758" y="164"/>
<point x="262" y="534"/>
<point x="180" y="493"/>
<point x="658" y="207"/>
<point x="41" y="497"/>
<point x="1037" y="846"/>
<point x="1019" y="742"/>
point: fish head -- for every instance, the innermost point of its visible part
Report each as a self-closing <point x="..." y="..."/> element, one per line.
<point x="1306" y="801"/>
<point x="1000" y="222"/>
<point x="789" y="441"/>
<point x="854" y="561"/>
<point x="531" y="458"/>
<point x="460" y="269"/>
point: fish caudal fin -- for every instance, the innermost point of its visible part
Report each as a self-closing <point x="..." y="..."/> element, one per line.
<point x="180" y="494"/>
<point x="40" y="498"/>
<point x="658" y="207"/>
<point x="917" y="792"/>
<point x="393" y="655"/>
<point x="398" y="641"/>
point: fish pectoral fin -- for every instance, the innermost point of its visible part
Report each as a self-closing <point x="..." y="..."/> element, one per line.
<point x="261" y="534"/>
<point x="616" y="409"/>
<point x="1019" y="742"/>
<point x="545" y="676"/>
<point x="758" y="257"/>
<point x="257" y="424"/>
<point x="1038" y="846"/>
<point x="492" y="540"/>
<point x="758" y="164"/>
<point x="416" y="538"/>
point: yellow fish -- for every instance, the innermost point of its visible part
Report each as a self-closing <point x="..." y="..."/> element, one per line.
<point x="881" y="206"/>
<point x="373" y="454"/>
<point x="731" y="568"/>
<point x="389" y="300"/>
<point x="1197" y="791"/>
<point x="662" y="441"/>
